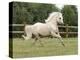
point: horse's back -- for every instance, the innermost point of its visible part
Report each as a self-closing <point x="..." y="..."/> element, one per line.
<point x="41" y="28"/>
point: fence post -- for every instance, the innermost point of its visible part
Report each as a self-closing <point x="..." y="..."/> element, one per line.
<point x="66" y="30"/>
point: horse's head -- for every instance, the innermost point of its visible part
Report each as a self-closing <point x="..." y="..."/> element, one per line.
<point x="55" y="17"/>
<point x="59" y="18"/>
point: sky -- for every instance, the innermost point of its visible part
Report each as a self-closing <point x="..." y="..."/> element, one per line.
<point x="60" y="6"/>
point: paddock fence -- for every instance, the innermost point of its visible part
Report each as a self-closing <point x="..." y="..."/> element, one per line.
<point x="66" y="27"/>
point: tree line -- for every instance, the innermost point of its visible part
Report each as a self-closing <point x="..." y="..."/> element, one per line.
<point x="31" y="13"/>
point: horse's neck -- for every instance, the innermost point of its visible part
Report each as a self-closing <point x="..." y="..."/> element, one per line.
<point x="50" y="21"/>
<point x="53" y="24"/>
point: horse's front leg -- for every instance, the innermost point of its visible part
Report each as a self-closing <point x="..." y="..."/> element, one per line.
<point x="58" y="36"/>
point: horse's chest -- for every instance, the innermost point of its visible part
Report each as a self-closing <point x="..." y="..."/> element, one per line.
<point x="53" y="28"/>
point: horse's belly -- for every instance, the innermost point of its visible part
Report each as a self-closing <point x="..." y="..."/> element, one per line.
<point x="43" y="30"/>
<point x="44" y="33"/>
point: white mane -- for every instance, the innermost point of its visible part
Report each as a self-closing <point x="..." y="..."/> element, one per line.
<point x="52" y="15"/>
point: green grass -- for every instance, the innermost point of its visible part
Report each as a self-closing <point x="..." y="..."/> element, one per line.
<point x="52" y="47"/>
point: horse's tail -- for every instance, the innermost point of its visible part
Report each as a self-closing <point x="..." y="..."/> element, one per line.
<point x="24" y="34"/>
<point x="25" y="30"/>
<point x="25" y="25"/>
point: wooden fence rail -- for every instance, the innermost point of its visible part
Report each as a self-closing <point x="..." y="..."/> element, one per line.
<point x="66" y="27"/>
<point x="59" y="26"/>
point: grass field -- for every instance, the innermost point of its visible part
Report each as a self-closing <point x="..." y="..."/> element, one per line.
<point x="52" y="47"/>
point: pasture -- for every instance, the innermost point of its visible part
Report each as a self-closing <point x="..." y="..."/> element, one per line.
<point x="52" y="47"/>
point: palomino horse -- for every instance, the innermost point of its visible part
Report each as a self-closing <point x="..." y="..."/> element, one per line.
<point x="50" y="27"/>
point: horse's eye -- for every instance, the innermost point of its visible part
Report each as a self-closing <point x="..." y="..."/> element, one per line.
<point x="60" y="18"/>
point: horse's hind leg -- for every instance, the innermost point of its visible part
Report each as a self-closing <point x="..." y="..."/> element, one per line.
<point x="28" y="36"/>
<point x="23" y="36"/>
<point x="37" y="39"/>
<point x="34" y="41"/>
<point x="41" y="42"/>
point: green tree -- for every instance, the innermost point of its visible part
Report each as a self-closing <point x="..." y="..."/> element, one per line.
<point x="70" y="14"/>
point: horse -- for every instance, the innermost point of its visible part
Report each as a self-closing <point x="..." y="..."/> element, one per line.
<point x="50" y="27"/>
